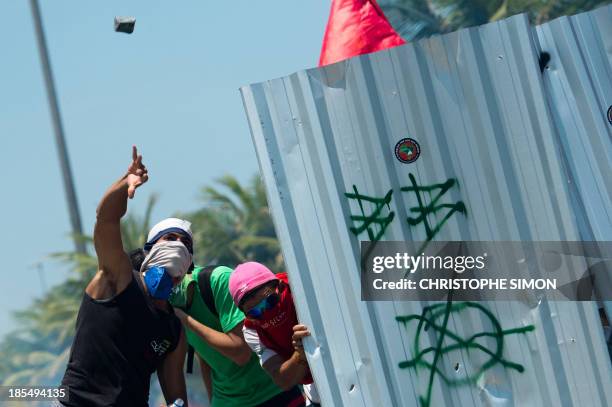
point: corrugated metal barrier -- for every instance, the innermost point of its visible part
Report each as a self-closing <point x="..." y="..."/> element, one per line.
<point x="528" y="154"/>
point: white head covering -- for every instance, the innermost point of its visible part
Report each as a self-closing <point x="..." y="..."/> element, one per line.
<point x="167" y="226"/>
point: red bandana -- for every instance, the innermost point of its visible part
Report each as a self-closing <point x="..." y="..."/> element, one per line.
<point x="275" y="327"/>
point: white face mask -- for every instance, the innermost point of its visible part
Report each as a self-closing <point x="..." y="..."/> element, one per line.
<point x="171" y="255"/>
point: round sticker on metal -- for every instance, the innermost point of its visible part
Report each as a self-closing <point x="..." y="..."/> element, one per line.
<point x="610" y="114"/>
<point x="407" y="150"/>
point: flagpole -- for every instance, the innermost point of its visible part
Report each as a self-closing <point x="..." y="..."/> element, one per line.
<point x="73" y="209"/>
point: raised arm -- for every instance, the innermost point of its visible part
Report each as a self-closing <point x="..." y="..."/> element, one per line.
<point x="113" y="262"/>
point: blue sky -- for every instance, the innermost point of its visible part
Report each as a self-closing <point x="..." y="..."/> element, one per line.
<point x="171" y="88"/>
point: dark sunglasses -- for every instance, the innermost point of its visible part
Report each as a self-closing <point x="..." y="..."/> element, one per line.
<point x="264" y="305"/>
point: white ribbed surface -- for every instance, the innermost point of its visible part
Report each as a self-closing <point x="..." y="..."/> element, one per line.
<point x="532" y="158"/>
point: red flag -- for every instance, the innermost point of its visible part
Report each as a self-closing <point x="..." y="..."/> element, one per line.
<point x="356" y="27"/>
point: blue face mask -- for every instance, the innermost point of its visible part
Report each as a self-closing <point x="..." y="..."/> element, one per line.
<point x="159" y="282"/>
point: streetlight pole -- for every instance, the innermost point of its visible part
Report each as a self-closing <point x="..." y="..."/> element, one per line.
<point x="75" y="218"/>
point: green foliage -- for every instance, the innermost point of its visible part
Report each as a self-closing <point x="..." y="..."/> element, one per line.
<point x="37" y="352"/>
<point x="234" y="225"/>
<point x="414" y="19"/>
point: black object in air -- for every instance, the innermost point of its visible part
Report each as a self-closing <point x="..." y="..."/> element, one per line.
<point x="125" y="24"/>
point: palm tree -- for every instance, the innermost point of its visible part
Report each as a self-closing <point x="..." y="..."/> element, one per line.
<point x="37" y="352"/>
<point x="235" y="225"/>
<point x="414" y="19"/>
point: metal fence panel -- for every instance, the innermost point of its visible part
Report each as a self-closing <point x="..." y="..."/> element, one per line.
<point x="525" y="169"/>
<point x="578" y="81"/>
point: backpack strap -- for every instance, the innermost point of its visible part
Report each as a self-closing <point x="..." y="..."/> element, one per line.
<point x="190" y="356"/>
<point x="203" y="280"/>
<point x="206" y="289"/>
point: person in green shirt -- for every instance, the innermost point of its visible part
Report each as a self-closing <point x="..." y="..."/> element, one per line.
<point x="232" y="373"/>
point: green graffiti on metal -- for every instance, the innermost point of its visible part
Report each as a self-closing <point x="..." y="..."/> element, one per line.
<point x="367" y="221"/>
<point x="431" y="314"/>
<point x="423" y="210"/>
<point x="374" y="218"/>
<point x="429" y="318"/>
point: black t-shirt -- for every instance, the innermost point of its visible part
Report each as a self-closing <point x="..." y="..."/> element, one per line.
<point x="119" y="343"/>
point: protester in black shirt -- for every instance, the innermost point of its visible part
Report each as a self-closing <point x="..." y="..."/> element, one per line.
<point x="126" y="330"/>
